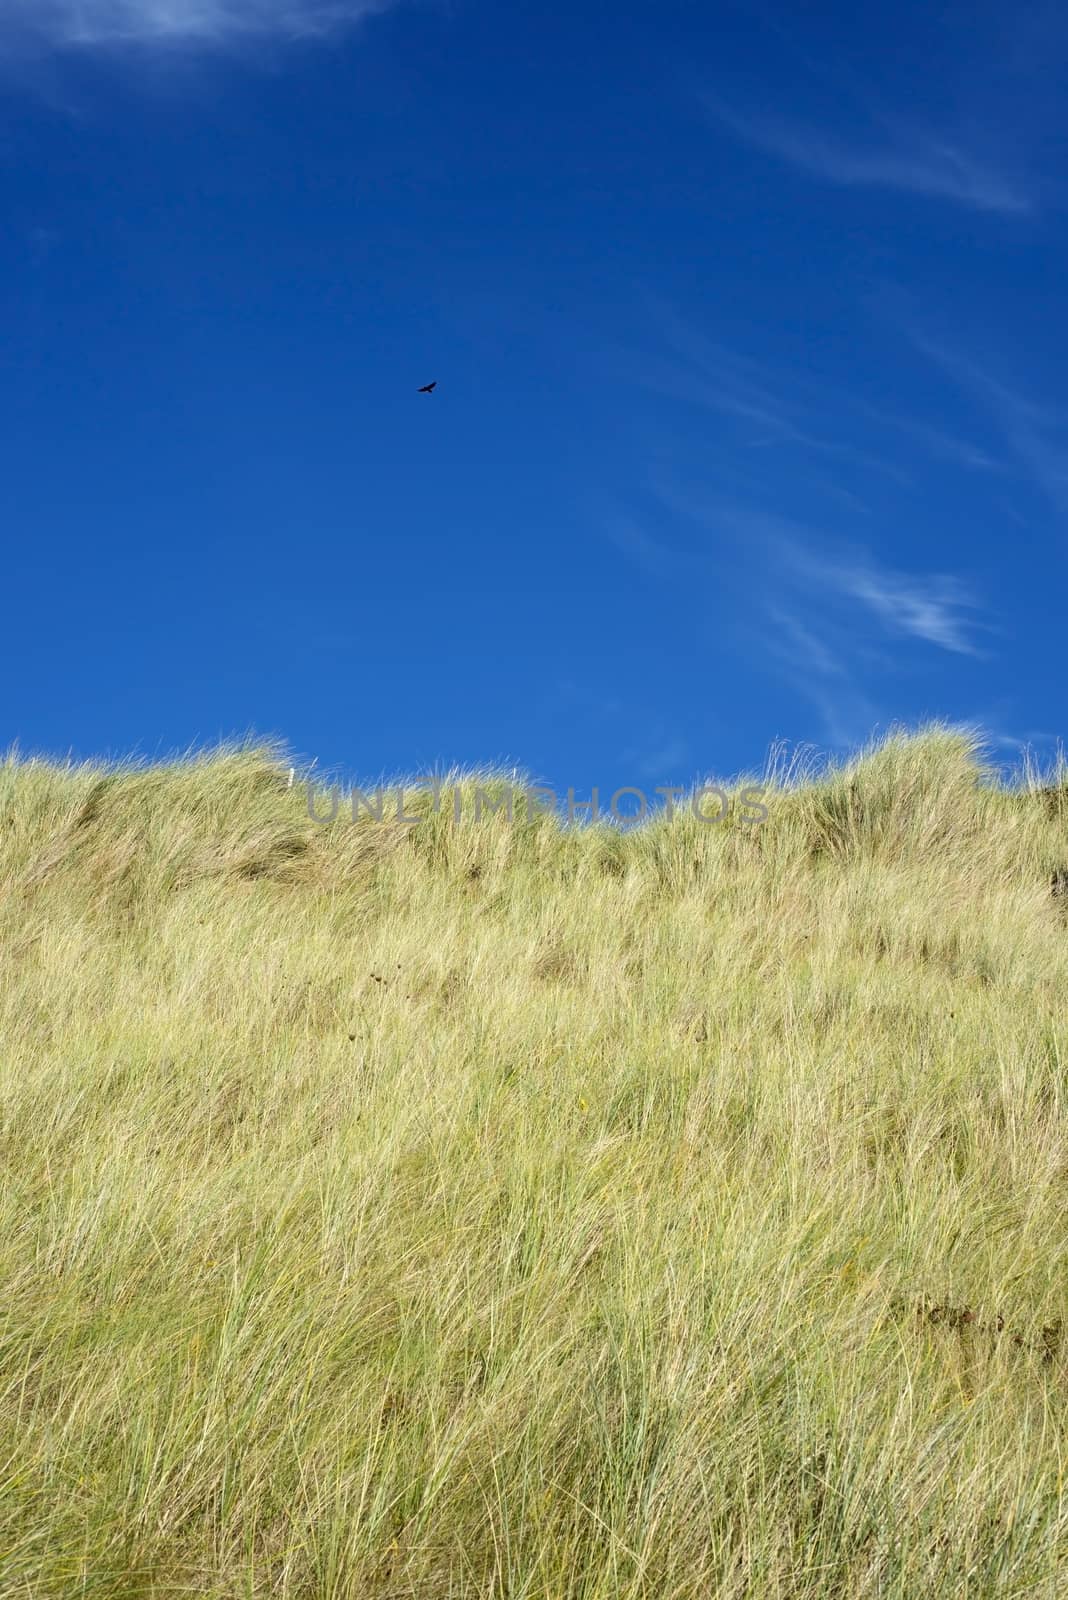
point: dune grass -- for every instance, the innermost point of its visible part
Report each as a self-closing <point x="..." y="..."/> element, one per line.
<point x="502" y="1209"/>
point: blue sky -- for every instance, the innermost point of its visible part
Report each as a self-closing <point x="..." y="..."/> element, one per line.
<point x="748" y="328"/>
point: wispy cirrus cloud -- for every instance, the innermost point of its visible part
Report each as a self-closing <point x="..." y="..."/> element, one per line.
<point x="824" y="651"/>
<point x="822" y="675"/>
<point x="826" y="614"/>
<point x="933" y="607"/>
<point x="93" y="23"/>
<point x="909" y="161"/>
<point x="1036" y="434"/>
<point x="804" y="648"/>
<point x="642" y="549"/>
<point x="788" y="407"/>
<point x="937" y="442"/>
<point x="936" y="608"/>
<point x="930" y="609"/>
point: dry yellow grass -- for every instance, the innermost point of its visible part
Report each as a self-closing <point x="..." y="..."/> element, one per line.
<point x="502" y="1210"/>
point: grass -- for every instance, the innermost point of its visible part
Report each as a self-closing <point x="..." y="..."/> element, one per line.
<point x="513" y="1210"/>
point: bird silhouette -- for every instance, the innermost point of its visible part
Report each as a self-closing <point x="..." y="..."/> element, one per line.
<point x="428" y="388"/>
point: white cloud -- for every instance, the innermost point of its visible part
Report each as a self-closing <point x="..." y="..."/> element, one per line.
<point x="815" y="669"/>
<point x="928" y="609"/>
<point x="89" y="23"/>
<point x="916" y="164"/>
<point x="642" y="548"/>
<point x="788" y="407"/>
<point x="931" y="607"/>
<point x="1037" y="435"/>
<point x="802" y="648"/>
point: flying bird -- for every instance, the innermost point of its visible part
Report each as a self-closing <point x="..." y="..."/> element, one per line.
<point x="428" y="388"/>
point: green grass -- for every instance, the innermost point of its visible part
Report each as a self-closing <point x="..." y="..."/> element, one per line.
<point x="513" y="1210"/>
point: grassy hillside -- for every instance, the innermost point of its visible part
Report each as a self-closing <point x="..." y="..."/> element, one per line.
<point x="506" y="1210"/>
